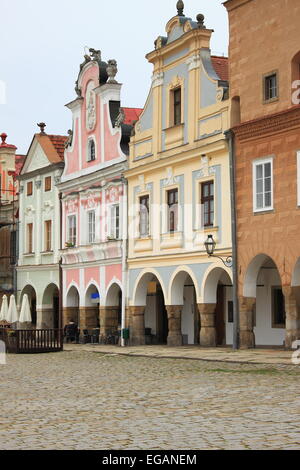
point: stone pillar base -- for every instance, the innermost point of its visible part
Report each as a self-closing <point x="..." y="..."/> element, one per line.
<point x="89" y="317"/>
<point x="208" y="333"/>
<point x="174" y="320"/>
<point x="247" y="337"/>
<point x="109" y="322"/>
<point x="70" y="313"/>
<point x="137" y="326"/>
<point x="292" y="317"/>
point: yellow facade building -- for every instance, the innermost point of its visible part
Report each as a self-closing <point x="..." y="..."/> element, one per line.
<point x="179" y="193"/>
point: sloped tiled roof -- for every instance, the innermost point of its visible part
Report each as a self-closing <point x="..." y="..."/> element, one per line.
<point x="19" y="163"/>
<point x="221" y="66"/>
<point x="131" y="115"/>
<point x="59" y="142"/>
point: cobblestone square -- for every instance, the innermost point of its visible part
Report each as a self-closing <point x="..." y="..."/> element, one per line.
<point x="89" y="400"/>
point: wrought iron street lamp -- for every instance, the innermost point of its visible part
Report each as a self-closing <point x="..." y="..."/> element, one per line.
<point x="210" y="246"/>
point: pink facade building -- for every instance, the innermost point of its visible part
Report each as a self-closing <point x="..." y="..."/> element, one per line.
<point x="94" y="200"/>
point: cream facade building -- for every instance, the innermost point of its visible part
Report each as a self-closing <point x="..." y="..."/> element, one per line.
<point x="179" y="193"/>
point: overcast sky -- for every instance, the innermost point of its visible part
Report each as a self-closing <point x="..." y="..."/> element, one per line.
<point x="42" y="44"/>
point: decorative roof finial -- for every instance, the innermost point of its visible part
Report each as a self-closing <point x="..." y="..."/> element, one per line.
<point x="42" y="126"/>
<point x="200" y="20"/>
<point x="180" y="7"/>
<point x="3" y="138"/>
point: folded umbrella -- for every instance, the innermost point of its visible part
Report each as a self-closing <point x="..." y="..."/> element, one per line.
<point x="25" y="315"/>
<point x="12" y="315"/>
<point x="4" y="309"/>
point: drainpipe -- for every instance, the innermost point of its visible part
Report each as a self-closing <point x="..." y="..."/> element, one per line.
<point x="60" y="267"/>
<point x="124" y="258"/>
<point x="236" y="316"/>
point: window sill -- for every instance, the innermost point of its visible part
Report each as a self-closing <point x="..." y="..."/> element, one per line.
<point x="48" y="252"/>
<point x="272" y="100"/>
<point x="29" y="254"/>
<point x="263" y="211"/>
<point x="174" y="126"/>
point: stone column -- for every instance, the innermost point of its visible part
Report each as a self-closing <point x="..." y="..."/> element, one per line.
<point x="70" y="313"/>
<point x="88" y="318"/>
<point x="247" y="337"/>
<point x="174" y="320"/>
<point x="137" y="326"/>
<point x="208" y="332"/>
<point x="45" y="318"/>
<point x="292" y="317"/>
<point x="108" y="320"/>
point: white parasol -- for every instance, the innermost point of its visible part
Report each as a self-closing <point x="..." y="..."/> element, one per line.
<point x="4" y="309"/>
<point x="25" y="315"/>
<point x="12" y="315"/>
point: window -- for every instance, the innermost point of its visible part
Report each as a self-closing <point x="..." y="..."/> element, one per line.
<point x="115" y="222"/>
<point x="144" y="216"/>
<point x="29" y="238"/>
<point x="271" y="87"/>
<point x="48" y="235"/>
<point x="91" y="151"/>
<point x="29" y="188"/>
<point x="72" y="230"/>
<point x="263" y="185"/>
<point x="208" y="203"/>
<point x="48" y="183"/>
<point x="177" y="106"/>
<point x="13" y="247"/>
<point x="278" y="308"/>
<point x="298" y="176"/>
<point x="172" y="201"/>
<point x="91" y="226"/>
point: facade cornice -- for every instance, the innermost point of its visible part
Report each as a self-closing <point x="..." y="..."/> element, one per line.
<point x="95" y="177"/>
<point x="268" y="125"/>
<point x="41" y="171"/>
<point x="233" y="4"/>
<point x="178" y="157"/>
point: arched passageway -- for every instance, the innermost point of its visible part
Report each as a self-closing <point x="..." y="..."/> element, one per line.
<point x="111" y="312"/>
<point x="183" y="295"/>
<point x="50" y="307"/>
<point x="149" y="317"/>
<point x="90" y="314"/>
<point x="30" y="291"/>
<point x="262" y="309"/>
<point x="216" y="311"/>
<point x="71" y="310"/>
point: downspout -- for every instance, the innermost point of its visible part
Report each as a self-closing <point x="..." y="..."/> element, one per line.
<point x="60" y="266"/>
<point x="124" y="258"/>
<point x="236" y="316"/>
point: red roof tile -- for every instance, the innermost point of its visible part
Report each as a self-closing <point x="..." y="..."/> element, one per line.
<point x="59" y="143"/>
<point x="131" y="114"/>
<point x="19" y="163"/>
<point x="221" y="66"/>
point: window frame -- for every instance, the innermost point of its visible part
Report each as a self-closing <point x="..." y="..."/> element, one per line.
<point x="29" y="184"/>
<point x="266" y="77"/>
<point x="91" y="142"/>
<point x="46" y="181"/>
<point x="204" y="199"/>
<point x="48" y="236"/>
<point x="175" y="105"/>
<point x="147" y="232"/>
<point x="72" y="236"/>
<point x="29" y="238"/>
<point x="255" y="164"/>
<point x="92" y="224"/>
<point x="298" y="178"/>
<point x="115" y="228"/>
<point x="176" y="226"/>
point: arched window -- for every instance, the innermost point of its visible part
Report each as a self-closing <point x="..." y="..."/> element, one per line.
<point x="296" y="79"/>
<point x="91" y="151"/>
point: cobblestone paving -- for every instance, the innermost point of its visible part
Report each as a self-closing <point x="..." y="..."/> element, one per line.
<point x="87" y="400"/>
